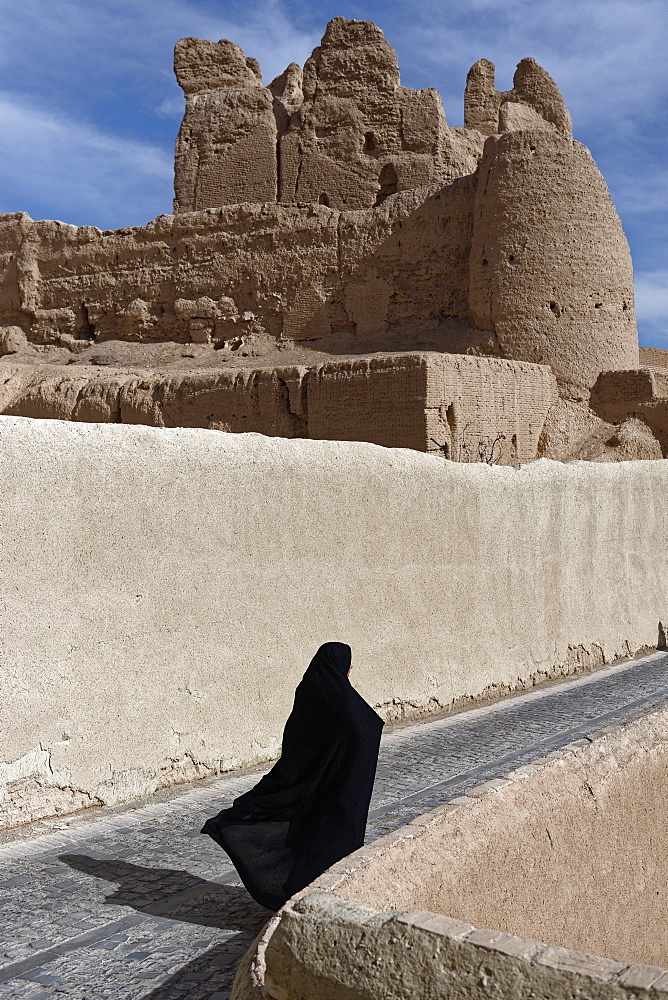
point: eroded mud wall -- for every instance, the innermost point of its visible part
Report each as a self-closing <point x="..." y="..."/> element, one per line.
<point x="271" y="272"/>
<point x="524" y="259"/>
<point x="477" y="409"/>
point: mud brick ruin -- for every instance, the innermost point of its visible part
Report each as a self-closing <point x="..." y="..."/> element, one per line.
<point x="343" y="264"/>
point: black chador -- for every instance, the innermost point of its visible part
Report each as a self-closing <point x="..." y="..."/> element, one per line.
<point x="311" y="809"/>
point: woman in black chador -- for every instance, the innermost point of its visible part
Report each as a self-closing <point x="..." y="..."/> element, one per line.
<point x="311" y="809"/>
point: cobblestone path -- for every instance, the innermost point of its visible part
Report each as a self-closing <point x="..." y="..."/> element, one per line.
<point x="133" y="903"/>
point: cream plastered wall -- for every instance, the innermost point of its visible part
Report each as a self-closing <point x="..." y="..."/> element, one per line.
<point x="163" y="590"/>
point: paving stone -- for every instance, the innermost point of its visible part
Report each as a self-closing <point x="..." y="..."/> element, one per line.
<point x="145" y="857"/>
<point x="594" y="966"/>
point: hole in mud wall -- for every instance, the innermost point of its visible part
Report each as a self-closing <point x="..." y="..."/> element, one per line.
<point x="370" y="145"/>
<point x="323" y="200"/>
<point x="88" y="327"/>
<point x="452" y="427"/>
<point x="554" y="306"/>
<point x="387" y="183"/>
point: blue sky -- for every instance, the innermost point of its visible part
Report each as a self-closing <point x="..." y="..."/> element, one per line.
<point x="89" y="107"/>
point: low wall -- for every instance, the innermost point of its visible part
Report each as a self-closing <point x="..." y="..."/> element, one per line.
<point x="571" y="850"/>
<point x="419" y="400"/>
<point x="163" y="590"/>
<point x="391" y="956"/>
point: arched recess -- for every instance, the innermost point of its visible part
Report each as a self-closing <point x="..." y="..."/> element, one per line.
<point x="387" y="183"/>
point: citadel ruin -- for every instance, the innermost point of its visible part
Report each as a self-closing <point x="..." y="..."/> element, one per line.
<point x="343" y="264"/>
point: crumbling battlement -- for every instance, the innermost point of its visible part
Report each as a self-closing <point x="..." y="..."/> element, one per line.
<point x="524" y="259"/>
<point x="534" y="100"/>
<point x="341" y="132"/>
<point x="336" y="214"/>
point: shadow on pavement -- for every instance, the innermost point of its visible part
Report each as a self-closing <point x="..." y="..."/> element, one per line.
<point x="174" y="894"/>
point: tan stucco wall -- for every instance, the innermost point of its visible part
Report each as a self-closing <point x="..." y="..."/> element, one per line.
<point x="163" y="590"/>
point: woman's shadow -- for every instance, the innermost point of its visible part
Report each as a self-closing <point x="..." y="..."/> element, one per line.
<point x="174" y="894"/>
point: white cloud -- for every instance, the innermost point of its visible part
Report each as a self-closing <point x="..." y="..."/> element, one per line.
<point x="264" y="30"/>
<point x="647" y="193"/>
<point x="171" y="107"/>
<point x="607" y="56"/>
<point x="652" y="296"/>
<point x="651" y="292"/>
<point x="134" y="40"/>
<point x="91" y="175"/>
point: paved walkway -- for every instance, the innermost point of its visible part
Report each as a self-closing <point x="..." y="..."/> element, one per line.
<point x="135" y="904"/>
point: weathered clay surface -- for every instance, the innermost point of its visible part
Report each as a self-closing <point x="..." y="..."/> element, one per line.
<point x="342" y="132"/>
<point x="404" y="275"/>
<point x="388" y="278"/>
<point x="226" y="147"/>
<point x="132" y="553"/>
<point x="640" y="395"/>
<point x="565" y="299"/>
<point x="12" y="340"/>
<point x="359" y="136"/>
<point x="653" y="357"/>
<point x="632" y="439"/>
<point x="489" y="110"/>
<point x="429" y="402"/>
<point x="573" y="431"/>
